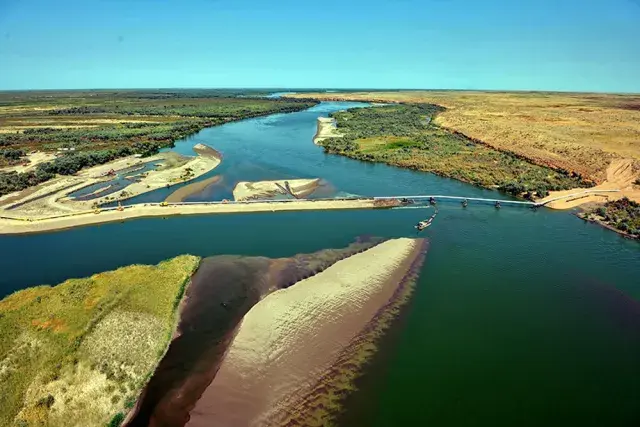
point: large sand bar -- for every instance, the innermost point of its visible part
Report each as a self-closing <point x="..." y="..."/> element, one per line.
<point x="263" y="189"/>
<point x="293" y="336"/>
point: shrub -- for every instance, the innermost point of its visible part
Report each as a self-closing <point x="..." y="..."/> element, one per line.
<point x="117" y="420"/>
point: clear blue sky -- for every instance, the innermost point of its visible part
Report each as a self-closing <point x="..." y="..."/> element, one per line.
<point x="571" y="45"/>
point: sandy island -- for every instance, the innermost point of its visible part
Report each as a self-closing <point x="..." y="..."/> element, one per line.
<point x="282" y="363"/>
<point x="266" y="189"/>
<point x="326" y="129"/>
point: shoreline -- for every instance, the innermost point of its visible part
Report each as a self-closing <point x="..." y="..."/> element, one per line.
<point x="16" y="225"/>
<point x="585" y="217"/>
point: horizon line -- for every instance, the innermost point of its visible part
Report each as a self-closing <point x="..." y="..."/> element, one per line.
<point x="314" y="89"/>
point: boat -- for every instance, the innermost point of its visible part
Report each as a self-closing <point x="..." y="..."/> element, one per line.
<point x="422" y="225"/>
<point x="425" y="223"/>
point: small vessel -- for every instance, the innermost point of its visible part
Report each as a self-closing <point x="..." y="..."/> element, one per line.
<point x="422" y="225"/>
<point x="425" y="223"/>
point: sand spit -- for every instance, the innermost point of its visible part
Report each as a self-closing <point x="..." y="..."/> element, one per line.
<point x="183" y="193"/>
<point x="326" y="129"/>
<point x="267" y="189"/>
<point x="222" y="291"/>
<point x="281" y="364"/>
<point x="19" y="225"/>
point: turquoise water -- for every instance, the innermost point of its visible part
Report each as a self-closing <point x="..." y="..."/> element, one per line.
<point x="519" y="317"/>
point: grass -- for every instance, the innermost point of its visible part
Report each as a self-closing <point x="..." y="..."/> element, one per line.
<point x="76" y="353"/>
<point x="405" y="135"/>
<point x="579" y="133"/>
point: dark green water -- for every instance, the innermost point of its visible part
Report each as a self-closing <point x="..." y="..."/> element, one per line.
<point x="519" y="318"/>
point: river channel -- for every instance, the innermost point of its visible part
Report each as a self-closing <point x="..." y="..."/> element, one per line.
<point x="519" y="317"/>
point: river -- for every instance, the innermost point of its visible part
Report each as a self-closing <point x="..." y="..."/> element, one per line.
<point x="519" y="318"/>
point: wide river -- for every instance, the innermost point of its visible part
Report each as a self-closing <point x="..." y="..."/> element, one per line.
<point x="519" y="318"/>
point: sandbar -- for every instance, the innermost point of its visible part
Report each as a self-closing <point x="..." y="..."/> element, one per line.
<point x="294" y="336"/>
<point x="194" y="188"/>
<point x="326" y="129"/>
<point x="266" y="189"/>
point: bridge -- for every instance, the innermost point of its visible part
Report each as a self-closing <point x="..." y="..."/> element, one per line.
<point x="438" y="197"/>
<point x="18" y="225"/>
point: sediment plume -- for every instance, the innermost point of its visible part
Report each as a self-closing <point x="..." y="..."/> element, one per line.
<point x="297" y="351"/>
<point x="221" y="292"/>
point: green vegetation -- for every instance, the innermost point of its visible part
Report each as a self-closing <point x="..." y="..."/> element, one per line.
<point x="405" y="135"/>
<point x="11" y="156"/>
<point x="92" y="128"/>
<point x="623" y="215"/>
<point x="79" y="353"/>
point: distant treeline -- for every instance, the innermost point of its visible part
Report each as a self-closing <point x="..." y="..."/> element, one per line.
<point x="404" y="135"/>
<point x="116" y="134"/>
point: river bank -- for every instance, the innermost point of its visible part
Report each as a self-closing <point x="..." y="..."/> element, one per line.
<point x="405" y="136"/>
<point x="575" y="132"/>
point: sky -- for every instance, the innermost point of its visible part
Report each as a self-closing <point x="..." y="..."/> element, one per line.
<point x="555" y="45"/>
